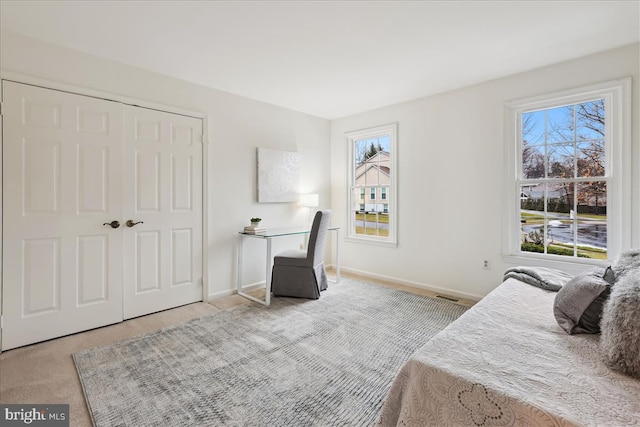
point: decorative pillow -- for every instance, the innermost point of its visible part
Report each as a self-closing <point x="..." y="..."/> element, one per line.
<point x="607" y="274"/>
<point x="578" y="304"/>
<point x="620" y="338"/>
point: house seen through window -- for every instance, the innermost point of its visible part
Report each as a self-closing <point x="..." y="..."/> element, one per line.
<point x="372" y="174"/>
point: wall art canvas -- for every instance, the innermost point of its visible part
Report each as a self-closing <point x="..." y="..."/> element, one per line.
<point x="278" y="176"/>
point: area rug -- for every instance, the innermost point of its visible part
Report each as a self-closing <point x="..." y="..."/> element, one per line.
<point x="326" y="362"/>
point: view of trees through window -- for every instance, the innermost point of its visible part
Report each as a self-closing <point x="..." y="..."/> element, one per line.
<point x="563" y="182"/>
<point x="371" y="190"/>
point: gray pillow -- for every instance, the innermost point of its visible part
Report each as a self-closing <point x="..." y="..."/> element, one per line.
<point x="620" y="338"/>
<point x="578" y="304"/>
<point x="607" y="274"/>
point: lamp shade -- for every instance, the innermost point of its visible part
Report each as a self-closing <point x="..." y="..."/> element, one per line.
<point x="309" y="200"/>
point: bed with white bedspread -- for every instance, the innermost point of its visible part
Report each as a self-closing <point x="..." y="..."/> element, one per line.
<point x="506" y="362"/>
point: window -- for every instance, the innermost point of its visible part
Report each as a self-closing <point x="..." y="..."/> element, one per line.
<point x="571" y="170"/>
<point x="372" y="164"/>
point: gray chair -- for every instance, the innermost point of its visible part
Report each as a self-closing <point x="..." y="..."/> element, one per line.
<point x="299" y="273"/>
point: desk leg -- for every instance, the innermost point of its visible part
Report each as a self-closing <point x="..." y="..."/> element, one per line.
<point x="239" y="255"/>
<point x="267" y="296"/>
<point x="337" y="237"/>
<point x="337" y="255"/>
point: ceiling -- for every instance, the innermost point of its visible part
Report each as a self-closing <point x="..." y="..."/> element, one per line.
<point x="330" y="58"/>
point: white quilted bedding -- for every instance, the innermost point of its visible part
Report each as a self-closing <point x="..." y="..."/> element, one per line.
<point x="506" y="362"/>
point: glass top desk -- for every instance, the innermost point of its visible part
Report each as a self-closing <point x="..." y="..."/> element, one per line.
<point x="269" y="235"/>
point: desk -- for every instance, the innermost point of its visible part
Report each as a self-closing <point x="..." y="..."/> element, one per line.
<point x="269" y="235"/>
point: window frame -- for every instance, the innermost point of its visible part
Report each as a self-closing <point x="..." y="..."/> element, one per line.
<point x="617" y="96"/>
<point x="392" y="195"/>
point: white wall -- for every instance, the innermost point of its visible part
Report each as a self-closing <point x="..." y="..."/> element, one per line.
<point x="450" y="158"/>
<point x="236" y="126"/>
<point x="451" y="175"/>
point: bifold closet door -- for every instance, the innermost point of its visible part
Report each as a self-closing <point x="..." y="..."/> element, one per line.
<point x="62" y="180"/>
<point x="163" y="201"/>
<point x="102" y="212"/>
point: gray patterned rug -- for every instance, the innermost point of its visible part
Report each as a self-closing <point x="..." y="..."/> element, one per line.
<point x="326" y="362"/>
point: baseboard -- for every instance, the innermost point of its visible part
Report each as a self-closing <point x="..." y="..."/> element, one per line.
<point x="436" y="289"/>
<point x="364" y="275"/>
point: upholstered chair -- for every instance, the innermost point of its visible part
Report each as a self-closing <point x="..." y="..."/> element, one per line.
<point x="298" y="273"/>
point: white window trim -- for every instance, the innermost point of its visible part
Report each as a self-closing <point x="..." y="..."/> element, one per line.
<point x="617" y="95"/>
<point x="351" y="137"/>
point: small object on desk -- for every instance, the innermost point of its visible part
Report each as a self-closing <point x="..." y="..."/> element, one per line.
<point x="254" y="230"/>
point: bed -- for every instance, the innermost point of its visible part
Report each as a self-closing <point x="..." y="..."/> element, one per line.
<point x="506" y="362"/>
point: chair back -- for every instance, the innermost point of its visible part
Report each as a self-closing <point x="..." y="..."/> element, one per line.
<point x="318" y="236"/>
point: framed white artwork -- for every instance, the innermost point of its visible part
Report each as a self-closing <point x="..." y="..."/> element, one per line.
<point x="278" y="176"/>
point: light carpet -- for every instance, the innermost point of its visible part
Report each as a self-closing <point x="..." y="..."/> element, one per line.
<point x="326" y="362"/>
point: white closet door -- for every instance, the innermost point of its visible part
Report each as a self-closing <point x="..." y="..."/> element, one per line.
<point x="62" y="170"/>
<point x="163" y="192"/>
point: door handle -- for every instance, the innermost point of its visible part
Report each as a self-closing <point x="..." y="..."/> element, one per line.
<point x="113" y="224"/>
<point x="130" y="223"/>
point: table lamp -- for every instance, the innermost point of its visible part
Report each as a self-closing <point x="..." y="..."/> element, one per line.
<point x="311" y="201"/>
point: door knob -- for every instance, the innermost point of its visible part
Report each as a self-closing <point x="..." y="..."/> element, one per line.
<point x="113" y="224"/>
<point x="130" y="223"/>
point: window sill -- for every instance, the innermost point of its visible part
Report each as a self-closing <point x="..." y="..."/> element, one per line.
<point x="571" y="265"/>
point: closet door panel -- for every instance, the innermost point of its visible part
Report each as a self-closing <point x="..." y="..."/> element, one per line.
<point x="62" y="157"/>
<point x="41" y="168"/>
<point x="146" y="183"/>
<point x="93" y="270"/>
<point x="163" y="169"/>
<point x="93" y="182"/>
